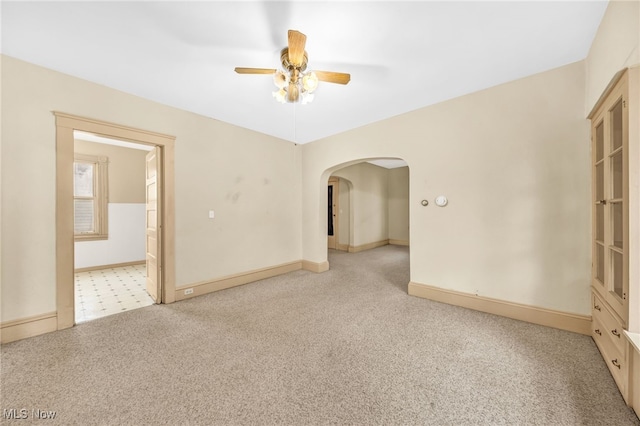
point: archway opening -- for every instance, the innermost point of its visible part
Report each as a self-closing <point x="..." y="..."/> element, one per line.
<point x="367" y="208"/>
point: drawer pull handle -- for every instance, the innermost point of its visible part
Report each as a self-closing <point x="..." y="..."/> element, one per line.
<point x="615" y="333"/>
<point x="615" y="362"/>
<point x="598" y="332"/>
<point x="597" y="308"/>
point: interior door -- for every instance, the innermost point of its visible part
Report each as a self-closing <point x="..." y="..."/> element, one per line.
<point x="332" y="211"/>
<point x="153" y="233"/>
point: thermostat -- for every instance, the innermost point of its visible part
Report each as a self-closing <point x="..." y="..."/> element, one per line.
<point x="441" y="201"/>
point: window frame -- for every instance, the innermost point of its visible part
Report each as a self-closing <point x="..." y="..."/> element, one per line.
<point x="100" y="197"/>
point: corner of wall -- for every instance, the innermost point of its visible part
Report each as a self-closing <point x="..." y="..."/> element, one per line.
<point x="317" y="267"/>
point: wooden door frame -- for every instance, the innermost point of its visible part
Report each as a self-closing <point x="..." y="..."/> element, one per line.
<point x="65" y="283"/>
<point x="156" y="288"/>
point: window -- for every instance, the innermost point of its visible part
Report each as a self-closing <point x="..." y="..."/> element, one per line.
<point x="90" y="196"/>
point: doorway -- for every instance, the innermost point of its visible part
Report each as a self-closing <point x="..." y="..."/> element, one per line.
<point x="333" y="222"/>
<point x="373" y="205"/>
<point x="110" y="225"/>
<point x="66" y="124"/>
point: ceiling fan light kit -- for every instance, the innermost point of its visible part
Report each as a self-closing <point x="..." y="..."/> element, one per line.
<point x="294" y="82"/>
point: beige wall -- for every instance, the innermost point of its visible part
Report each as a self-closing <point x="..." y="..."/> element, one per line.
<point x="126" y="170"/>
<point x="513" y="161"/>
<point x="251" y="180"/>
<point x="363" y="185"/>
<point x="369" y="202"/>
<point x="617" y="46"/>
<point x="2" y="153"/>
<point x="344" y="218"/>
<point x="127" y="214"/>
<point x="399" y="204"/>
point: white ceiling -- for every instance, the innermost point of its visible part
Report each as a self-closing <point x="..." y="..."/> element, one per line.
<point x="401" y="55"/>
<point x="389" y="163"/>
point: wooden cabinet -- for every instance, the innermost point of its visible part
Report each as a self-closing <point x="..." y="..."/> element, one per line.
<point x="610" y="232"/>
<point x="634" y="371"/>
<point x="609" y="337"/>
<point x="609" y="132"/>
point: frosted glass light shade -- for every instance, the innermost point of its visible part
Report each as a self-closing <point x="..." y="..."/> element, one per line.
<point x="307" y="97"/>
<point x="280" y="95"/>
<point x="310" y="82"/>
<point x="280" y="79"/>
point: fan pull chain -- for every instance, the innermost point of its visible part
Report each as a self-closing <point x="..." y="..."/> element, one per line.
<point x="295" y="124"/>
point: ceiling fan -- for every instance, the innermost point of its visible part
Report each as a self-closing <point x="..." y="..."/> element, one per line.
<point x="293" y="82"/>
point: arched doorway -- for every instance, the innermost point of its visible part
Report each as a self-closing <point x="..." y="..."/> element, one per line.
<point x="367" y="206"/>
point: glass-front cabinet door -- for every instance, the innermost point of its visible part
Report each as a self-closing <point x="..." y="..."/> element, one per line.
<point x="610" y="200"/>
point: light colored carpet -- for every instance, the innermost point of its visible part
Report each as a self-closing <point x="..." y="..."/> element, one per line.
<point x="348" y="346"/>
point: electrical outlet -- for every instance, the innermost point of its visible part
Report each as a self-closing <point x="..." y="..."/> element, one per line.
<point x="188" y="291"/>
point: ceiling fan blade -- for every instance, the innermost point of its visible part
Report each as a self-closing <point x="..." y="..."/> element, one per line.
<point x="333" y="77"/>
<point x="297" y="41"/>
<point x="241" y="70"/>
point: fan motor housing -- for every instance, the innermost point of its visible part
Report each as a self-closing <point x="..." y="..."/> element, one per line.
<point x="284" y="58"/>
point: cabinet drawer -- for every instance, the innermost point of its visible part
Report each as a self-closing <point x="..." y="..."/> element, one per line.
<point x="615" y="360"/>
<point x="609" y="324"/>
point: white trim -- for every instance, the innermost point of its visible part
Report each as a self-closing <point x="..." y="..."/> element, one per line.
<point x="10" y="331"/>
<point x="550" y="318"/>
<point x="198" y="289"/>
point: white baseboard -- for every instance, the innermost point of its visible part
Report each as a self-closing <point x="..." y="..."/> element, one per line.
<point x="565" y="321"/>
<point x="316" y="267"/>
<point x="113" y="265"/>
<point x="10" y="331"/>
<point x="369" y="246"/>
<point x="235" y="280"/>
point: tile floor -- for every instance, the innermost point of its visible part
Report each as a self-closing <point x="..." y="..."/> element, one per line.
<point x="110" y="291"/>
